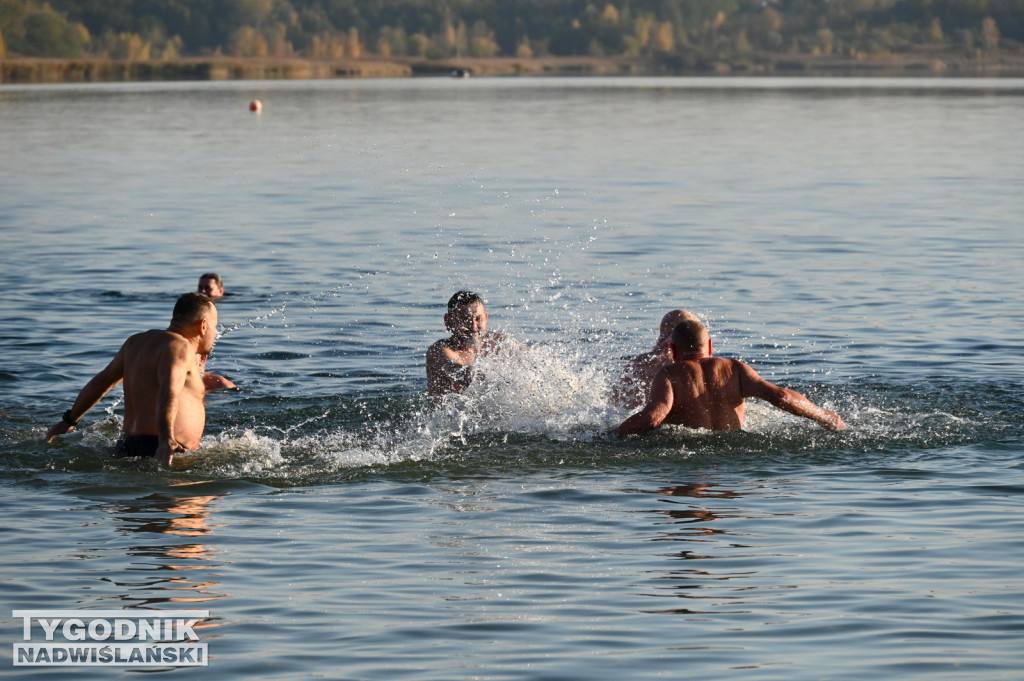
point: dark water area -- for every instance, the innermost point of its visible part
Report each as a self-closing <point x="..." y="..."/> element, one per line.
<point x="855" y="240"/>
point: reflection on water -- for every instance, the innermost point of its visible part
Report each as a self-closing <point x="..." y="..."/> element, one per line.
<point x="689" y="523"/>
<point x="166" y="556"/>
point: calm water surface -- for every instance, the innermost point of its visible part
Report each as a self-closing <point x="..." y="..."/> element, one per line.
<point x="857" y="240"/>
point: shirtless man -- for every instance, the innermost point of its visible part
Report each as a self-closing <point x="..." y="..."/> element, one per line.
<point x="163" y="392"/>
<point x="635" y="379"/>
<point x="212" y="285"/>
<point x="700" y="391"/>
<point x="449" y="360"/>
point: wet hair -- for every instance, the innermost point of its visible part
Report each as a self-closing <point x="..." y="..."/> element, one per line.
<point x="191" y="307"/>
<point x="690" y="336"/>
<point x="462" y="299"/>
<point x="214" y="276"/>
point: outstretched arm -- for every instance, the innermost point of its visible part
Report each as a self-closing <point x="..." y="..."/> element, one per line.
<point x="752" y="385"/>
<point x="212" y="381"/>
<point x="98" y="386"/>
<point x="658" y="406"/>
<point x="217" y="382"/>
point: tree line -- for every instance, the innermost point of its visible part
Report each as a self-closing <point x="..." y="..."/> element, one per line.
<point x="680" y="31"/>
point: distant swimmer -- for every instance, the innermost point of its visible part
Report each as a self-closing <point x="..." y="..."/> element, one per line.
<point x="212" y="285"/>
<point x="635" y="380"/>
<point x="163" y="392"/>
<point x="700" y="391"/>
<point x="450" y="360"/>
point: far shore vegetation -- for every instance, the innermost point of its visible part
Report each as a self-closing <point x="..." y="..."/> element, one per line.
<point x="110" y="40"/>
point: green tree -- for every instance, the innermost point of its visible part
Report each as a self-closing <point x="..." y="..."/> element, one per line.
<point x="419" y="44"/>
<point x="481" y="42"/>
<point x="742" y="42"/>
<point x="826" y="41"/>
<point x="672" y="31"/>
<point x="250" y="12"/>
<point x="48" y="34"/>
<point x="327" y="46"/>
<point x="248" y="42"/>
<point x="392" y="41"/>
<point x="642" y="30"/>
<point x="989" y="35"/>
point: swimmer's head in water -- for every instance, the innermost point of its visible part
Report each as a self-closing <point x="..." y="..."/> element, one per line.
<point x="466" y="317"/>
<point x="462" y="299"/>
<point x="211" y="284"/>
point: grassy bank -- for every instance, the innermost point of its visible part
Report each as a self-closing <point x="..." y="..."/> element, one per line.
<point x="17" y="70"/>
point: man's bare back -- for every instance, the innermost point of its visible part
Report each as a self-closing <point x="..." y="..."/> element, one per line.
<point x="149" y="357"/>
<point x="705" y="393"/>
<point x="163" y="388"/>
<point x="635" y="380"/>
<point x="698" y="391"/>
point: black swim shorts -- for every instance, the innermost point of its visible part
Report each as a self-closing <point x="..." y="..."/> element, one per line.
<point x="137" y="445"/>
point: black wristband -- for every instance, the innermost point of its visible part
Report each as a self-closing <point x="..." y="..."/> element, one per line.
<point x="68" y="421"/>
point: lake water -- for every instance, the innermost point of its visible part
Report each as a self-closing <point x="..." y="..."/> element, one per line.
<point x="857" y="240"/>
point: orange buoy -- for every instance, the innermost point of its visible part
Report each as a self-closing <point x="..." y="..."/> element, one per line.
<point x="256" y="106"/>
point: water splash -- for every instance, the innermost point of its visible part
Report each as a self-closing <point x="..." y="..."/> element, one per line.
<point x="548" y="404"/>
<point x="554" y="389"/>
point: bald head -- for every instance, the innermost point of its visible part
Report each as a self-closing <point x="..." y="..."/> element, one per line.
<point x="672" y="319"/>
<point x="690" y="337"/>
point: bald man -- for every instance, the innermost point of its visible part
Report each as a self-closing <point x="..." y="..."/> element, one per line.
<point x="635" y="380"/>
<point x="163" y="392"/>
<point x="700" y="391"/>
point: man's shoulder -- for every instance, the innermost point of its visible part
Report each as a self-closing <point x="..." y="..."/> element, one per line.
<point x="156" y="334"/>
<point x="723" y="365"/>
<point x="439" y="350"/>
<point x="142" y="338"/>
<point x="439" y="345"/>
<point x="157" y="341"/>
<point x="688" y="366"/>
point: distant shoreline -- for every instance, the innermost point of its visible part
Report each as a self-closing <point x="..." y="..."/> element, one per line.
<point x="45" y="70"/>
